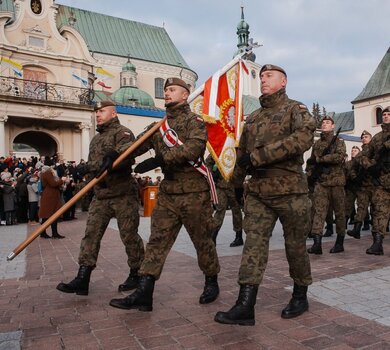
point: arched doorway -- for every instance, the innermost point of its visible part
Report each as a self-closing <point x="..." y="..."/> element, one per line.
<point x="39" y="141"/>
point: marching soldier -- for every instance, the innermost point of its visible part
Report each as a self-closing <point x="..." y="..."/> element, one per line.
<point x="115" y="196"/>
<point x="326" y="163"/>
<point x="183" y="198"/>
<point x="376" y="158"/>
<point x="226" y="198"/>
<point x="351" y="187"/>
<point x="365" y="182"/>
<point x="271" y="150"/>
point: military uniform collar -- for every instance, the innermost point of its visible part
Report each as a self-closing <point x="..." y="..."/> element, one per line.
<point x="385" y="127"/>
<point x="105" y="126"/>
<point x="268" y="101"/>
<point x="173" y="112"/>
<point x="327" y="135"/>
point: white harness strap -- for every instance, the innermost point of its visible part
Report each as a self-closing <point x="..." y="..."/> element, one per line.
<point x="171" y="139"/>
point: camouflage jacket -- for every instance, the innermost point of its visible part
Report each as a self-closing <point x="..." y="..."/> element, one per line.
<point x="119" y="182"/>
<point x="359" y="174"/>
<point x="377" y="155"/>
<point x="276" y="137"/>
<point x="350" y="182"/>
<point x="179" y="175"/>
<point x="332" y="164"/>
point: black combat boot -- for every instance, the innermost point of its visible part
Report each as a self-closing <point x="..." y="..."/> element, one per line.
<point x="243" y="312"/>
<point x="376" y="247"/>
<point x="141" y="298"/>
<point x="238" y="240"/>
<point x="79" y="285"/>
<point x="131" y="281"/>
<point x="355" y="232"/>
<point x="298" y="303"/>
<point x="339" y="245"/>
<point x="316" y="248"/>
<point x="366" y="225"/>
<point x="210" y="291"/>
<point x="329" y="230"/>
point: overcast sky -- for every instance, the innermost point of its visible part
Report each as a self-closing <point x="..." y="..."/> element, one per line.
<point x="329" y="48"/>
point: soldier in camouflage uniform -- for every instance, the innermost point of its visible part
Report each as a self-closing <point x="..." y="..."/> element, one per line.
<point x="376" y="159"/>
<point x="351" y="187"/>
<point x="329" y="187"/>
<point x="114" y="196"/>
<point x="183" y="199"/>
<point x="226" y="198"/>
<point x="271" y="150"/>
<point x="365" y="183"/>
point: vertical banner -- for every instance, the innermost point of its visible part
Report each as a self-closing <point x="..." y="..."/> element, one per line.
<point x="219" y="102"/>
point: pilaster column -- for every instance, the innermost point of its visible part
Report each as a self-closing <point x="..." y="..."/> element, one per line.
<point x="84" y="127"/>
<point x="3" y="120"/>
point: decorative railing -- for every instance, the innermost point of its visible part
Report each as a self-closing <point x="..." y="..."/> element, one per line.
<point x="42" y="91"/>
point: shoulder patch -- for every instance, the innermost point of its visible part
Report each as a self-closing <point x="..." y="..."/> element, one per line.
<point x="127" y="133"/>
<point x="302" y="106"/>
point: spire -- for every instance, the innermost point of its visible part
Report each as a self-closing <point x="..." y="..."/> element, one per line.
<point x="242" y="32"/>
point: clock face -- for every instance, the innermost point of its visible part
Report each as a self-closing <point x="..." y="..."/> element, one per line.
<point x="36" y="6"/>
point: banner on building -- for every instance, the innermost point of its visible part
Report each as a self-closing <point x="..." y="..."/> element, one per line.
<point x="14" y="66"/>
<point x="219" y="102"/>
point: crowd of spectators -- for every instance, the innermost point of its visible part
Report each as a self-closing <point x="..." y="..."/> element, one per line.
<point x="20" y="187"/>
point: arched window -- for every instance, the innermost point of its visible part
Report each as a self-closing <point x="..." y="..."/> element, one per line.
<point x="379" y="119"/>
<point x="159" y="88"/>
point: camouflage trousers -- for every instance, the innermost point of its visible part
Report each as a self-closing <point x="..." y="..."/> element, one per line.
<point x="172" y="211"/>
<point x="381" y="210"/>
<point x="364" y="199"/>
<point x="350" y="199"/>
<point x="261" y="214"/>
<point x="324" y="197"/>
<point x="125" y="210"/>
<point x="227" y="197"/>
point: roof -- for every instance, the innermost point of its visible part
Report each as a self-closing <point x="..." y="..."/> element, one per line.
<point x="121" y="37"/>
<point x="250" y="104"/>
<point x="117" y="36"/>
<point x="126" y="94"/>
<point x="345" y="120"/>
<point x="379" y="83"/>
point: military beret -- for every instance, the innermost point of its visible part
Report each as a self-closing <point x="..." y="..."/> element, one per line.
<point x="272" y="67"/>
<point x="356" y="147"/>
<point x="102" y="104"/>
<point x="328" y="117"/>
<point x="365" y="132"/>
<point x="176" y="81"/>
<point x="386" y="110"/>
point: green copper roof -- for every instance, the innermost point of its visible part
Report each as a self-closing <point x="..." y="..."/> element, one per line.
<point x="121" y="37"/>
<point x="125" y="95"/>
<point x="379" y="83"/>
<point x="250" y="104"/>
<point x="345" y="120"/>
<point x="7" y="6"/>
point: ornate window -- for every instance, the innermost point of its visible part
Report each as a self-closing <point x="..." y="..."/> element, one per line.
<point x="36" y="6"/>
<point x="159" y="88"/>
<point x="378" y="114"/>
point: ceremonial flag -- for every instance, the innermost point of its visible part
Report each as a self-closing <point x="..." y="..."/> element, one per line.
<point x="13" y="65"/>
<point x="83" y="81"/>
<point x="219" y="102"/>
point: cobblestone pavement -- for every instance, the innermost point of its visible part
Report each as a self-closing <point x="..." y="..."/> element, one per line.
<point x="349" y="299"/>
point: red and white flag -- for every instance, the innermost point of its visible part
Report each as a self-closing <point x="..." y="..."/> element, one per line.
<point x="219" y="102"/>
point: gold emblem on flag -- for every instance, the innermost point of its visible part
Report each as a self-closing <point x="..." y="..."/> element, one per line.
<point x="227" y="116"/>
<point x="228" y="157"/>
